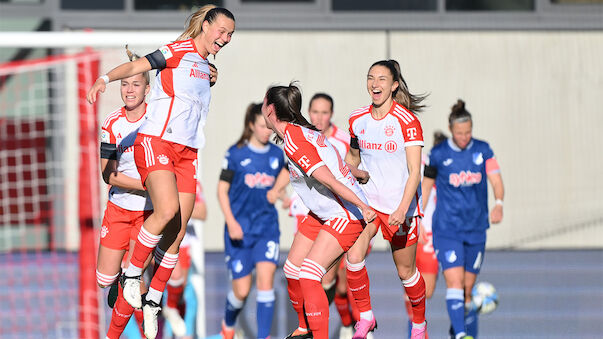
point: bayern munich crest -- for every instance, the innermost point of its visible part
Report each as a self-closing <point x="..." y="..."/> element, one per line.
<point x="389" y="130"/>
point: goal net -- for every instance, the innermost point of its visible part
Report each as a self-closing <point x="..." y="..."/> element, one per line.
<point x="49" y="198"/>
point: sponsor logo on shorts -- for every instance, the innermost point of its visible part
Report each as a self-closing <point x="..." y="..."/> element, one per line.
<point x="104" y="231"/>
<point x="163" y="159"/>
<point x="451" y="256"/>
<point x="237" y="266"/>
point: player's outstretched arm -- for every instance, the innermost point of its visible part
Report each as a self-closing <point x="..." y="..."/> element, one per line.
<point x="499" y="193"/>
<point x="325" y="177"/>
<point x="122" y="71"/>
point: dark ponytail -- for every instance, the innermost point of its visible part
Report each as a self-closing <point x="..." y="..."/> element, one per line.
<point x="253" y="110"/>
<point x="402" y="94"/>
<point x="459" y="113"/>
<point x="287" y="102"/>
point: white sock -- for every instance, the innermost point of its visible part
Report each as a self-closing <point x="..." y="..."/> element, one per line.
<point x="368" y="315"/>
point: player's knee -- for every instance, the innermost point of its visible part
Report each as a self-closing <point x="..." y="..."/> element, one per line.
<point x="405" y="272"/>
<point x="355" y="257"/>
<point x="167" y="213"/>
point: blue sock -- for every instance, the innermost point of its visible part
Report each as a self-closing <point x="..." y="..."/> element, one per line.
<point x="232" y="309"/>
<point x="455" y="303"/>
<point x="471" y="323"/>
<point x="265" y="312"/>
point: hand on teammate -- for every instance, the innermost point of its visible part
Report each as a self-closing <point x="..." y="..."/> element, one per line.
<point x="99" y="85"/>
<point x="397" y="218"/>
<point x="368" y="214"/>
<point x="497" y="214"/>
<point x="362" y="176"/>
<point x="235" y="232"/>
<point x="213" y="74"/>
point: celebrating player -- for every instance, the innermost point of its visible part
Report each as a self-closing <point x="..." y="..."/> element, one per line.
<point x="165" y="150"/>
<point x="128" y="204"/>
<point x="252" y="175"/>
<point x="327" y="188"/>
<point x="386" y="142"/>
<point x="458" y="168"/>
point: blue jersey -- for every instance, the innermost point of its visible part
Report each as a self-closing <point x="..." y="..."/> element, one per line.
<point x="461" y="182"/>
<point x="255" y="171"/>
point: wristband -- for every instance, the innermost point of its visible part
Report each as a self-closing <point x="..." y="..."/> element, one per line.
<point x="105" y="78"/>
<point x="498" y="202"/>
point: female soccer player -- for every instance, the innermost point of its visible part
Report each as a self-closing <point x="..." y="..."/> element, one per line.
<point x="128" y="204"/>
<point x="252" y="174"/>
<point x="166" y="146"/>
<point x="458" y="168"/>
<point x="327" y="188"/>
<point x="386" y="142"/>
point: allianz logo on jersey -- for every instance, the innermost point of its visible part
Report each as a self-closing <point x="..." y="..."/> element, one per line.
<point x="465" y="178"/>
<point x="197" y="73"/>
<point x="390" y="146"/>
<point x="259" y="180"/>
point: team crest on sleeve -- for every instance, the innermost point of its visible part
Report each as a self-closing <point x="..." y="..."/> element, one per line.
<point x="274" y="162"/>
<point x="165" y="50"/>
<point x="105" y="137"/>
<point x="478" y="158"/>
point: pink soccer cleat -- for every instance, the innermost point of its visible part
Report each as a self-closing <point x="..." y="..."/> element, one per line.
<point x="363" y="327"/>
<point x="418" y="333"/>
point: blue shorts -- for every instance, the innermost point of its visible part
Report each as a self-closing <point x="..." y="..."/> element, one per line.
<point x="242" y="255"/>
<point x="458" y="253"/>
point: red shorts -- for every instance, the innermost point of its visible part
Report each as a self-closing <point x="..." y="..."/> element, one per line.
<point x="120" y="226"/>
<point x="152" y="153"/>
<point x="427" y="261"/>
<point x="401" y="237"/>
<point x="184" y="257"/>
<point x="344" y="230"/>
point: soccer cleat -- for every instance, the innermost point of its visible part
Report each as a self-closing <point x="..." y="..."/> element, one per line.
<point x="297" y="334"/>
<point x="131" y="290"/>
<point x="418" y="333"/>
<point x="227" y="333"/>
<point x="363" y="327"/>
<point x="346" y="332"/>
<point x="369" y="335"/>
<point x="175" y="320"/>
<point x="150" y="311"/>
<point x="112" y="295"/>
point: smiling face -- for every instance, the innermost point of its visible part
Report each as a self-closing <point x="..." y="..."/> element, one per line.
<point x="461" y="133"/>
<point x="380" y="84"/>
<point x="133" y="90"/>
<point x="217" y="34"/>
<point x="320" y="112"/>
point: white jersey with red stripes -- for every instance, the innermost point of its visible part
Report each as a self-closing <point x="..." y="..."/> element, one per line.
<point x="382" y="152"/>
<point x="340" y="139"/>
<point x="121" y="132"/>
<point x="179" y="99"/>
<point x="307" y="151"/>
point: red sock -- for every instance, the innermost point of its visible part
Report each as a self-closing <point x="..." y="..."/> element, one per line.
<point x="343" y="307"/>
<point x="145" y="243"/>
<point x="415" y="290"/>
<point x="315" y="300"/>
<point x="295" y="293"/>
<point x="408" y="307"/>
<point x="359" y="283"/>
<point x="167" y="262"/>
<point x="122" y="311"/>
<point x="139" y="318"/>
<point x="353" y="305"/>
<point x="174" y="294"/>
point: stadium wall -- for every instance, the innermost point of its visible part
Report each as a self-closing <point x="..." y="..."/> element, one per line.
<point x="533" y="96"/>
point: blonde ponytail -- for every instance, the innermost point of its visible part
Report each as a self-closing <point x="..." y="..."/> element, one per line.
<point x="195" y="23"/>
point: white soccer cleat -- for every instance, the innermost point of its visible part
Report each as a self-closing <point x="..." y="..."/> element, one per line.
<point x="175" y="320"/>
<point x="369" y="335"/>
<point x="346" y="332"/>
<point x="150" y="311"/>
<point x="131" y="290"/>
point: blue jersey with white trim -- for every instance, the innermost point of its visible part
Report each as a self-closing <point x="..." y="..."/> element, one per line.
<point x="255" y="171"/>
<point x="462" y="189"/>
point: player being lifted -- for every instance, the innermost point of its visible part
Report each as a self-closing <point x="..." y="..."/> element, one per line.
<point x="459" y="168"/>
<point x="386" y="143"/>
<point x="165" y="150"/>
<point x="128" y="204"/>
<point x="326" y="186"/>
<point x="252" y="175"/>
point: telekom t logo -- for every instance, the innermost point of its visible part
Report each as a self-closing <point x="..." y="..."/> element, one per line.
<point x="304" y="161"/>
<point x="411" y="133"/>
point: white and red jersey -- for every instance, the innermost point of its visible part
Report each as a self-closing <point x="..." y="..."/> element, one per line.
<point x="382" y="146"/>
<point x="121" y="132"/>
<point x="308" y="150"/>
<point x="179" y="99"/>
<point x="340" y="139"/>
